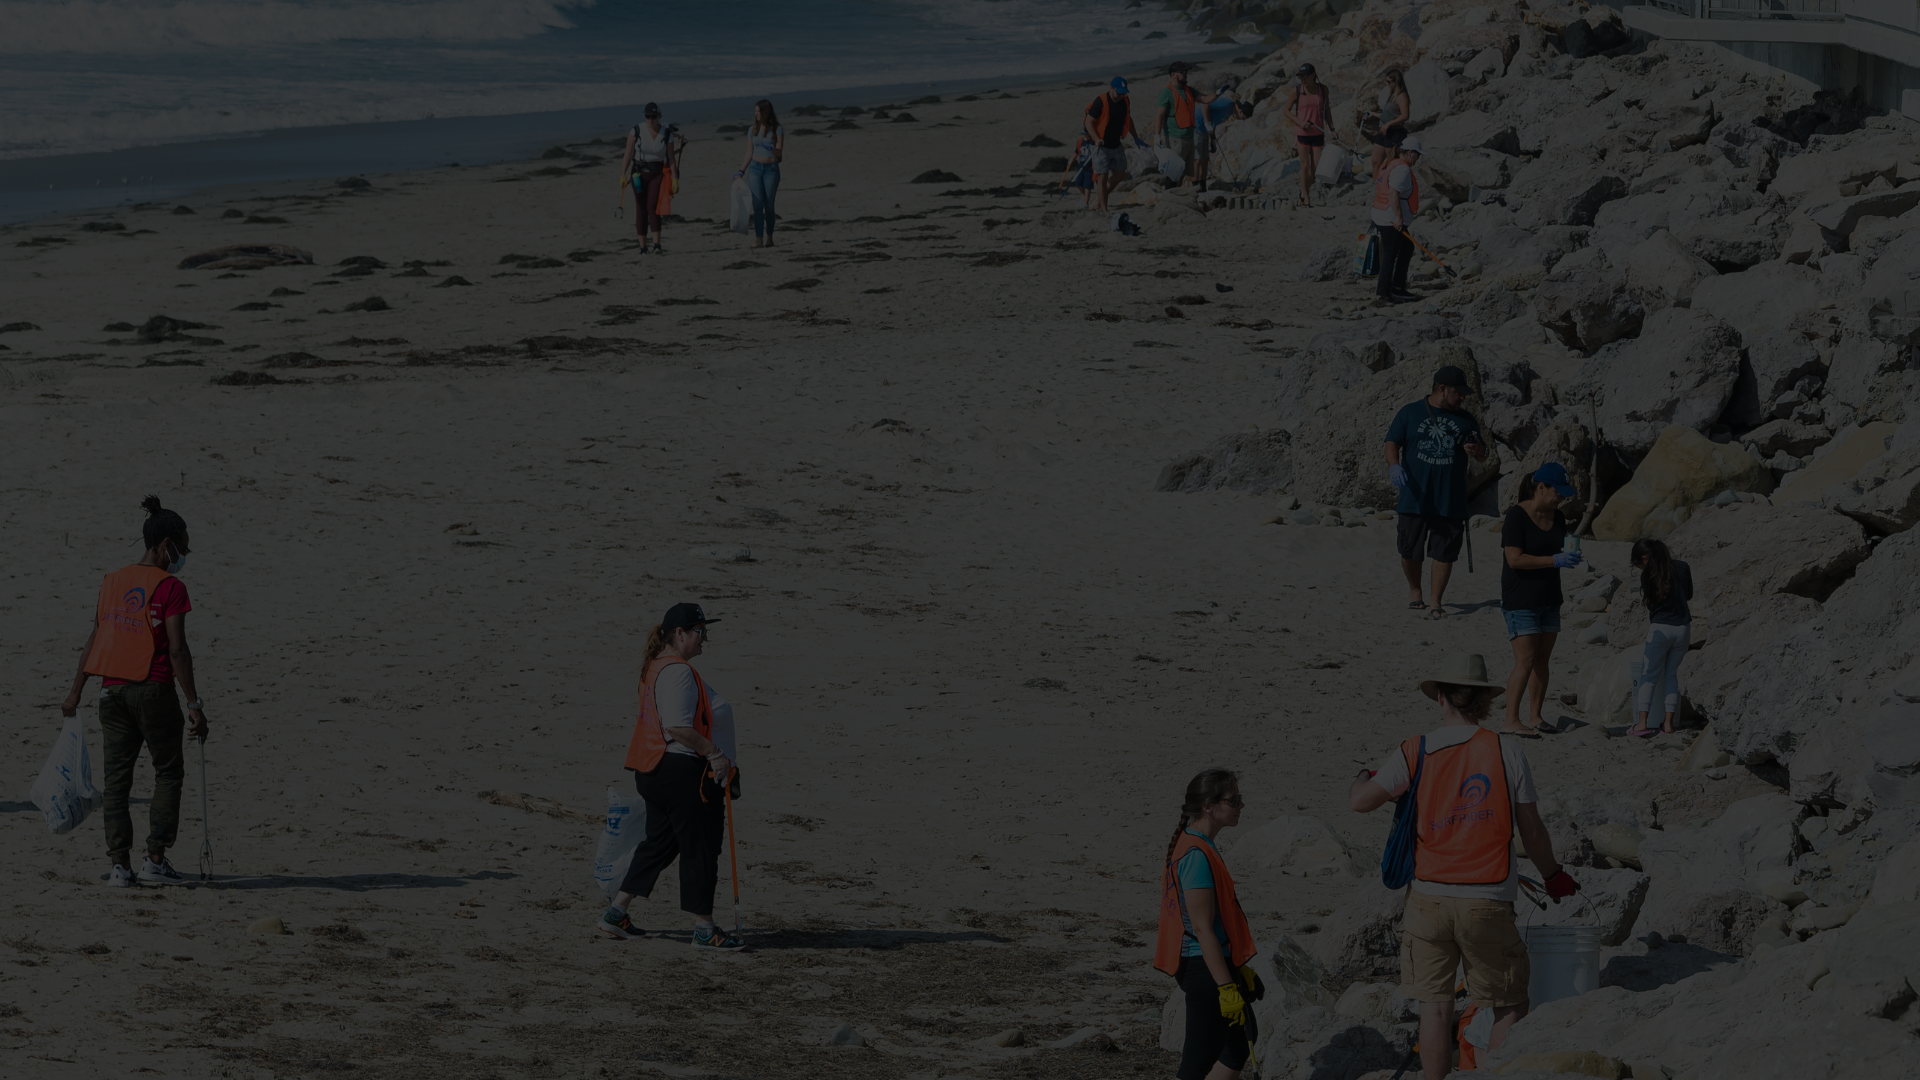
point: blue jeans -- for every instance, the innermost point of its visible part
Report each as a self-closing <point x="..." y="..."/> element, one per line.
<point x="1524" y="621"/>
<point x="763" y="179"/>
<point x="1666" y="647"/>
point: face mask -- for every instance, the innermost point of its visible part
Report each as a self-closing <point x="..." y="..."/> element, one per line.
<point x="179" y="561"/>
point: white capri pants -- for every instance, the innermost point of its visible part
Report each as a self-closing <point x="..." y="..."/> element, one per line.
<point x="1666" y="647"/>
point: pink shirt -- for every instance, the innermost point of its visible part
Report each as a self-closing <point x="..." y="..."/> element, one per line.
<point x="169" y="598"/>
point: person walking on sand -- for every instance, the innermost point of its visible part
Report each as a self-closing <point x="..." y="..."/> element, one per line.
<point x="138" y="647"/>
<point x="1219" y="109"/>
<point x="1175" y="121"/>
<point x="1427" y="448"/>
<point x="652" y="150"/>
<point x="1532" y="538"/>
<point x="1306" y="110"/>
<point x="1396" y="105"/>
<point x="766" y="146"/>
<point x="1396" y="199"/>
<point x="1204" y="940"/>
<point x="1109" y="121"/>
<point x="682" y="757"/>
<point x="1666" y="584"/>
<point x="1474" y="791"/>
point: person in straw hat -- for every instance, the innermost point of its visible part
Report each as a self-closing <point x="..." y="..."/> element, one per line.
<point x="1474" y="790"/>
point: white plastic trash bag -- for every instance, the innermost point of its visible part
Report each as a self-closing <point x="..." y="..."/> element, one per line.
<point x="742" y="206"/>
<point x="1170" y="163"/>
<point x="64" y="792"/>
<point x="626" y="821"/>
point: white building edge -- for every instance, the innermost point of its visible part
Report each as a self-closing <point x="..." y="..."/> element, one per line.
<point x="1871" y="45"/>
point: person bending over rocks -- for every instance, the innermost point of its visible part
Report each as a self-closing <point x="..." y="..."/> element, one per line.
<point x="1666" y="584"/>
<point x="1530" y="598"/>
<point x="1473" y="790"/>
<point x="1204" y="941"/>
<point x="1427" y="449"/>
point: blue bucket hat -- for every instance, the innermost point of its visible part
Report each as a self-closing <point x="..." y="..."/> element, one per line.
<point x="1119" y="85"/>
<point x="1554" y="475"/>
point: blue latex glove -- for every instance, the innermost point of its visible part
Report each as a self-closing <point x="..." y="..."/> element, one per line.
<point x="1397" y="475"/>
<point x="1142" y="143"/>
<point x="1566" y="560"/>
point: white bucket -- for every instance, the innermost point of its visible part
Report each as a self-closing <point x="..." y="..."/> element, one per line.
<point x="1565" y="962"/>
<point x="1333" y="162"/>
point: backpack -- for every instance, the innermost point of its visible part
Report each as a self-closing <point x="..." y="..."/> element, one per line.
<point x="1396" y="862"/>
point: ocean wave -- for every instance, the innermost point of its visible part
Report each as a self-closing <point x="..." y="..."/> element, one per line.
<point x="124" y="26"/>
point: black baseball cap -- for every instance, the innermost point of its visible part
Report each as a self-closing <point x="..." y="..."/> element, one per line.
<point x="1304" y="69"/>
<point x="1179" y="65"/>
<point x="684" y="617"/>
<point x="651" y="109"/>
<point x="1446" y="376"/>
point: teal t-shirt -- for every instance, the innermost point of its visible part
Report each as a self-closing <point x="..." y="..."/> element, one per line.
<point x="1194" y="872"/>
<point x="1174" y="130"/>
<point x="1430" y="438"/>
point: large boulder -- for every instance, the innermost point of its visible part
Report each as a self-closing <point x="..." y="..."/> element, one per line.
<point x="1585" y="302"/>
<point x="1790" y="677"/>
<point x="1428" y="92"/>
<point x="1852" y="452"/>
<point x="1491" y="312"/>
<point x="1297" y="845"/>
<point x="1361" y="940"/>
<point x="1564" y="195"/>
<point x="1742" y="553"/>
<point x="1875" y="962"/>
<point x="1456" y="174"/>
<point x="1841" y="216"/>
<point x="1792" y="436"/>
<point x="1899" y="878"/>
<point x="1777" y="308"/>
<point x="1681" y="471"/>
<point x="1680" y="371"/>
<point x="1705" y="880"/>
<point x="1244" y="461"/>
<point x="1883" y="494"/>
<point x="1663" y="273"/>
<point x="1821" y="173"/>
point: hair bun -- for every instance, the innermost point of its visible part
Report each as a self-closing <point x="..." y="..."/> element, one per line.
<point x="151" y="504"/>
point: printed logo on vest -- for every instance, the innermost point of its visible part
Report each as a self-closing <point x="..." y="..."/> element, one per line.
<point x="1473" y="792"/>
<point x="132" y="605"/>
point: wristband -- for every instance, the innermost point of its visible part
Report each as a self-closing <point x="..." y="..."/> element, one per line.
<point x="196" y="705"/>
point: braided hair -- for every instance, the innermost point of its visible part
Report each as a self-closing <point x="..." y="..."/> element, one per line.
<point x="1208" y="786"/>
<point x="161" y="525"/>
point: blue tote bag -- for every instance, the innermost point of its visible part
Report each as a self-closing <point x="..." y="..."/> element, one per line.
<point x="1396" y="862"/>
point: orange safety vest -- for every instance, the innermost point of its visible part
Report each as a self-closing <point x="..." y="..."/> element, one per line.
<point x="1166" y="950"/>
<point x="649" y="742"/>
<point x="1182" y="105"/>
<point x="123" y="624"/>
<point x="1383" y="195"/>
<point x="1465" y="831"/>
<point x="1123" y="105"/>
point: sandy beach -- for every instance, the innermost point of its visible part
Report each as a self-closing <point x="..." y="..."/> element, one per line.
<point x="908" y="456"/>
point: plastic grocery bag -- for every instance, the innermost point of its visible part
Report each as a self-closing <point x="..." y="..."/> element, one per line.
<point x="64" y="792"/>
<point x="611" y="856"/>
<point x="742" y="206"/>
<point x="1170" y="163"/>
<point x="1366" y="255"/>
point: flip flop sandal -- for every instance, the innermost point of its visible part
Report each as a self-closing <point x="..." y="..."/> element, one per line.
<point x="1642" y="733"/>
<point x="1438" y="612"/>
<point x="1417" y="605"/>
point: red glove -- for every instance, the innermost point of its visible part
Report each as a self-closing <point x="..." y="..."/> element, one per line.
<point x="1560" y="885"/>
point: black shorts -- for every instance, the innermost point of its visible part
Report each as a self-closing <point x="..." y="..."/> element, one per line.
<point x="1391" y="137"/>
<point x="1210" y="1038"/>
<point x="1439" y="537"/>
<point x="1310" y="140"/>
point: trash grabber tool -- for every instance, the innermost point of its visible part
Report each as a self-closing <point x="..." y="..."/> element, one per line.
<point x="206" y="841"/>
<point x="733" y="858"/>
<point x="620" y="205"/>
<point x="1429" y="254"/>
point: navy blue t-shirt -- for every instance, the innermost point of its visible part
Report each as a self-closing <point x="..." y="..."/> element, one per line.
<point x="1430" y="438"/>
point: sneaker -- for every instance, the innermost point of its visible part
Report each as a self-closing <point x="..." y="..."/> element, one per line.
<point x="1407" y="297"/>
<point x="122" y="878"/>
<point x="159" y="873"/>
<point x="659" y="249"/>
<point x="615" y="924"/>
<point x="716" y="939"/>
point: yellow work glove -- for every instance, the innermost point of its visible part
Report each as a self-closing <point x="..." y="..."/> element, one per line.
<point x="1250" y="980"/>
<point x="1232" y="1005"/>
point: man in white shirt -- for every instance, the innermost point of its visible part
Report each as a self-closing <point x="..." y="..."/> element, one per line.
<point x="1474" y="790"/>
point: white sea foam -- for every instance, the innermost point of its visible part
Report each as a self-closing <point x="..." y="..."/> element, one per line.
<point x="90" y="75"/>
<point x="121" y="26"/>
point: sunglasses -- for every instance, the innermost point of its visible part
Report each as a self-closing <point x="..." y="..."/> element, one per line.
<point x="1235" y="801"/>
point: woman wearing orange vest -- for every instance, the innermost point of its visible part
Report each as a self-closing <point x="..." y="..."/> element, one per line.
<point x="1474" y="789"/>
<point x="138" y="647"/>
<point x="1396" y="199"/>
<point x="681" y="754"/>
<point x="1205" y="942"/>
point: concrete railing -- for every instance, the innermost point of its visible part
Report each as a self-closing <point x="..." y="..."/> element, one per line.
<point x="1774" y="9"/>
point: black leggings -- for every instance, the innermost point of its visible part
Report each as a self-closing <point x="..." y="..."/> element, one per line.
<point x="1209" y="1037"/>
<point x="686" y="820"/>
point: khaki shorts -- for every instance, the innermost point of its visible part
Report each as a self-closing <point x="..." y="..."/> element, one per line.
<point x="1441" y="931"/>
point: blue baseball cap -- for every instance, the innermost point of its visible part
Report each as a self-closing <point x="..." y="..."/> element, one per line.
<point x="1119" y="85"/>
<point x="1554" y="475"/>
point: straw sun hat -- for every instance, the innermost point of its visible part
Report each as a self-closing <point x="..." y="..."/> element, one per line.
<point x="1460" y="669"/>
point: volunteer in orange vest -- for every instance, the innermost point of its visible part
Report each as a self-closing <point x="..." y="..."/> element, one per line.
<point x="138" y="647"/>
<point x="1475" y="790"/>
<point x="1205" y="942"/>
<point x="682" y="755"/>
<point x="1174" y="122"/>
<point x="1396" y="199"/>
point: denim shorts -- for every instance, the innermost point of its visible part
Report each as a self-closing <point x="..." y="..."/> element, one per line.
<point x="1526" y="621"/>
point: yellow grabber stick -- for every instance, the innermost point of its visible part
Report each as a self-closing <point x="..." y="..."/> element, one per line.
<point x="1429" y="254"/>
<point x="619" y="207"/>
